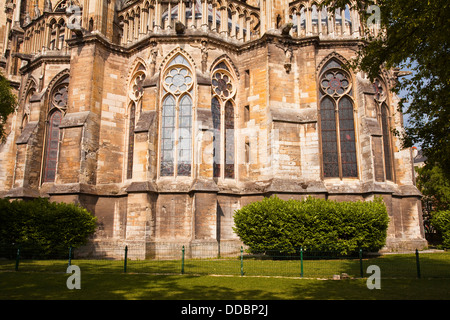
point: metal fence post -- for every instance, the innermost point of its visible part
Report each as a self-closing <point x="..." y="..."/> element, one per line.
<point x="242" y="261"/>
<point x="125" y="260"/>
<point x="360" y="263"/>
<point x="182" y="260"/>
<point x="17" y="259"/>
<point x="70" y="256"/>
<point x="301" y="262"/>
<point x="418" y="264"/>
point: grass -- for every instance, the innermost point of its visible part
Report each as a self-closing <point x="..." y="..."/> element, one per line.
<point x="46" y="286"/>
<point x="262" y="280"/>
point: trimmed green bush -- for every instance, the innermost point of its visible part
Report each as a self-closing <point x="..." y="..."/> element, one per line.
<point x="441" y="221"/>
<point x="314" y="224"/>
<point x="42" y="226"/>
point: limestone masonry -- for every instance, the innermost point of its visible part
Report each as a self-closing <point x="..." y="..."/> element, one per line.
<point x="164" y="117"/>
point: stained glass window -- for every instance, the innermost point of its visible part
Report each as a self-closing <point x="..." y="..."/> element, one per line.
<point x="337" y="123"/>
<point x="347" y="139"/>
<point x="329" y="141"/>
<point x="386" y="141"/>
<point x="184" y="137"/>
<point x="222" y="109"/>
<point x="131" y="127"/>
<point x="229" y="140"/>
<point x="60" y="97"/>
<point x="167" y="136"/>
<point x="52" y="145"/>
<point x="176" y="135"/>
<point x="215" y="110"/>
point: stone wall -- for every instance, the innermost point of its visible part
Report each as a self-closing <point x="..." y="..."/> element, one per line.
<point x="277" y="135"/>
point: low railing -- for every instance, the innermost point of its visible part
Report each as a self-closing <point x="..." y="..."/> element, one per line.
<point x="303" y="263"/>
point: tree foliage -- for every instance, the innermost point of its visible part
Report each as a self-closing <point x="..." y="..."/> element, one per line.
<point x="441" y="221"/>
<point x="43" y="226"/>
<point x="314" y="224"/>
<point x="416" y="36"/>
<point x="434" y="186"/>
<point x="7" y="104"/>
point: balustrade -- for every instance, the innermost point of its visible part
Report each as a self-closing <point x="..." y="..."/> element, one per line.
<point x="46" y="33"/>
<point x="311" y="19"/>
<point x="230" y="18"/>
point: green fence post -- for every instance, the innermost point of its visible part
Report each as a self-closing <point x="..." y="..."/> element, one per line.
<point x="360" y="263"/>
<point x="70" y="256"/>
<point x="182" y="260"/>
<point x="17" y="259"/>
<point x="242" y="261"/>
<point x="301" y="262"/>
<point x="125" y="260"/>
<point x="418" y="264"/>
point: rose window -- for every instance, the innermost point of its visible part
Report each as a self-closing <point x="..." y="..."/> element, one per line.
<point x="222" y="85"/>
<point x="138" y="87"/>
<point x="379" y="90"/>
<point x="335" y="83"/>
<point x="178" y="80"/>
<point x="60" y="97"/>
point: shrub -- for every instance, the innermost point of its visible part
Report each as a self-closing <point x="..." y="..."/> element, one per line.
<point x="44" y="226"/>
<point x="314" y="224"/>
<point x="441" y="221"/>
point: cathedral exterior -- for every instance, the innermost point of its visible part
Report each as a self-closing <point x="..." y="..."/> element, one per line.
<point x="162" y="117"/>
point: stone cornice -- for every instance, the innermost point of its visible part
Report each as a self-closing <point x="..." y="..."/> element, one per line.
<point x="47" y="57"/>
<point x="213" y="39"/>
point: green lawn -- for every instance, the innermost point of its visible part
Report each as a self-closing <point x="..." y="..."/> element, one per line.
<point x="262" y="280"/>
<point x="29" y="285"/>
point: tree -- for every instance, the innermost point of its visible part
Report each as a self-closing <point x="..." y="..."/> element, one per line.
<point x="416" y="36"/>
<point x="434" y="186"/>
<point x="7" y="104"/>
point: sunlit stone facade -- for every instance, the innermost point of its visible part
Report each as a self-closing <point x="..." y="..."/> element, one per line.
<point x="163" y="117"/>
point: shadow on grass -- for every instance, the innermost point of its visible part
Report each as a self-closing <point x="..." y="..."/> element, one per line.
<point x="106" y="280"/>
<point x="40" y="286"/>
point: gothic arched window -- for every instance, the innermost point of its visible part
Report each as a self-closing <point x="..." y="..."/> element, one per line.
<point x="176" y="122"/>
<point x="136" y="91"/>
<point x="337" y="123"/>
<point x="384" y="120"/>
<point x="131" y="127"/>
<point x="57" y="107"/>
<point x="51" y="152"/>
<point x="222" y="108"/>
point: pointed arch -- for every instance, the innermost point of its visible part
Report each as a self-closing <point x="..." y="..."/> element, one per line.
<point x="384" y="119"/>
<point x="227" y="61"/>
<point x="138" y="64"/>
<point x="57" y="91"/>
<point x="337" y="121"/>
<point x="329" y="59"/>
<point x="172" y="55"/>
<point x="135" y="80"/>
<point x="30" y="84"/>
<point x="52" y="146"/>
<point x="177" y="92"/>
<point x="223" y="86"/>
<point x="56" y="79"/>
